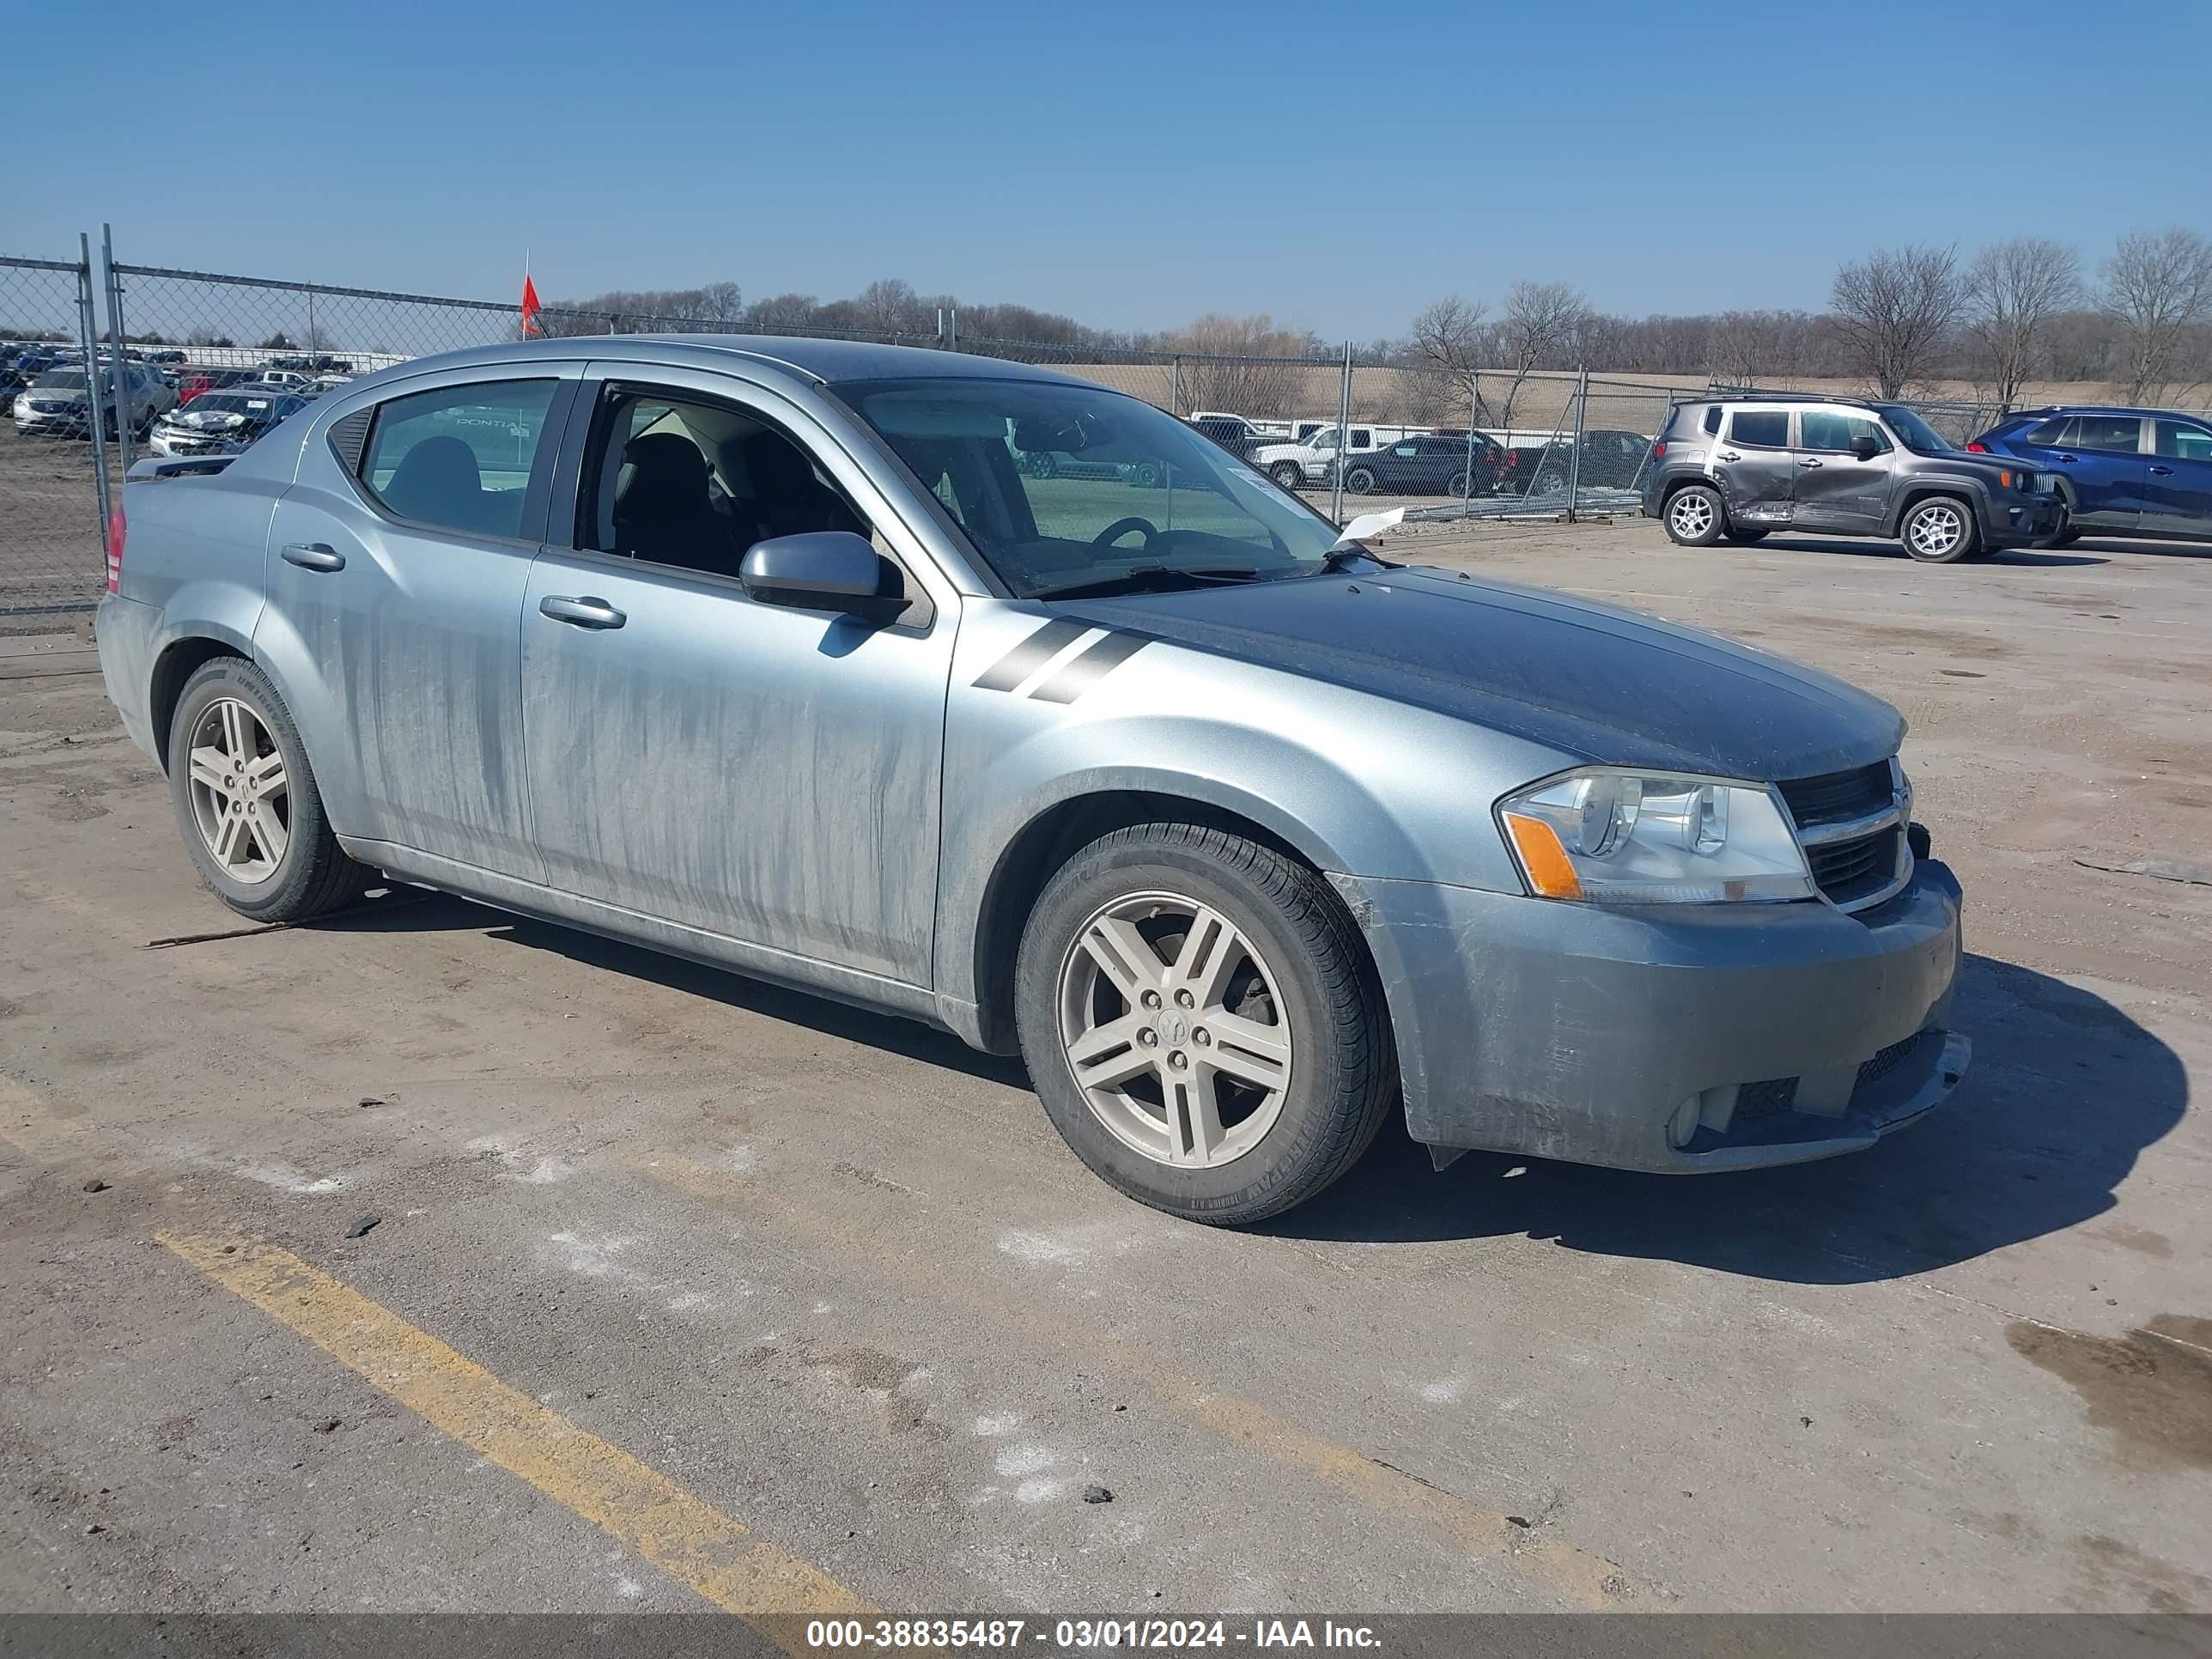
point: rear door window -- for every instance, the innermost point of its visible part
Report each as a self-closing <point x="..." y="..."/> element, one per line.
<point x="2179" y="441"/>
<point x="459" y="458"/>
<point x="1760" y="429"/>
<point x="2119" y="435"/>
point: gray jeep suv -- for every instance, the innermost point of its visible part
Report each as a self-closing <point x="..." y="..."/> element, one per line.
<point x="1733" y="468"/>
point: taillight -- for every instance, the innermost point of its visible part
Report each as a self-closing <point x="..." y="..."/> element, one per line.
<point x="1978" y="449"/>
<point x="118" y="531"/>
<point x="1658" y="452"/>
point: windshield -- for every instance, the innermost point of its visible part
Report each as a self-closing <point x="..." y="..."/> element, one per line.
<point x="60" y="380"/>
<point x="1061" y="487"/>
<point x="238" y="403"/>
<point x="1324" y="439"/>
<point x="1914" y="433"/>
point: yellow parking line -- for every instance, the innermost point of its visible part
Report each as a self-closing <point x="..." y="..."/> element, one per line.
<point x="691" y="1541"/>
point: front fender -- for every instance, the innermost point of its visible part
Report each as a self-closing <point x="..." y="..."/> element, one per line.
<point x="1918" y="486"/>
<point x="1355" y="783"/>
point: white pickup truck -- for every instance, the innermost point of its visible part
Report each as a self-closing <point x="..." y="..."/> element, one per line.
<point x="1308" y="460"/>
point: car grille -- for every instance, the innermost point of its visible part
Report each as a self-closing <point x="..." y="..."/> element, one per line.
<point x="1851" y="871"/>
<point x="1834" y="797"/>
<point x="1847" y="870"/>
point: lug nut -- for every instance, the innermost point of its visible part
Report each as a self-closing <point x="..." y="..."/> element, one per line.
<point x="1151" y="999"/>
<point x="1183" y="999"/>
<point x="1148" y="1037"/>
<point x="1200" y="1037"/>
<point x="1177" y="1059"/>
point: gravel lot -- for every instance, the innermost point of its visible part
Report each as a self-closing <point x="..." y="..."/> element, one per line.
<point x="832" y="1278"/>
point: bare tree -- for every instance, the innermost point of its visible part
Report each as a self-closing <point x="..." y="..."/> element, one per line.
<point x="1249" y="367"/>
<point x="782" y="310"/>
<point x="1539" y="320"/>
<point x="1451" y="337"/>
<point x="889" y="305"/>
<point x="2158" y="285"/>
<point x="1749" y="347"/>
<point x="1894" y="311"/>
<point x="2013" y="290"/>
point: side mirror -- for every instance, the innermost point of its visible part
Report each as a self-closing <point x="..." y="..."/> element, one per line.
<point x="1866" y="448"/>
<point x="816" y="570"/>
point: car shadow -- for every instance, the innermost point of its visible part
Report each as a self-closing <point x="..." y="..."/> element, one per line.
<point x="2155" y="548"/>
<point x="1879" y="550"/>
<point x="2066" y="1089"/>
<point x="415" y="911"/>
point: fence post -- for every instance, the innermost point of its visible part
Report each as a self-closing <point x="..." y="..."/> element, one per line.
<point x="1175" y="386"/>
<point x="1467" y="481"/>
<point x="1343" y="438"/>
<point x="117" y="362"/>
<point x="1575" y="460"/>
<point x="89" y="334"/>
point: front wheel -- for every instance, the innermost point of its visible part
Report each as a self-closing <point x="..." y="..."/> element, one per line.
<point x="1745" y="536"/>
<point x="1694" y="516"/>
<point x="1198" y="1020"/>
<point x="1939" y="531"/>
<point x="251" y="816"/>
<point x="1286" y="475"/>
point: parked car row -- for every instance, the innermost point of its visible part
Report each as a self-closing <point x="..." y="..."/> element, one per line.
<point x="1736" y="469"/>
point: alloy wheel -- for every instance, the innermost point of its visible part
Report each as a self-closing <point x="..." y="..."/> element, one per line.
<point x="1174" y="1029"/>
<point x="1689" y="515"/>
<point x="1936" y="529"/>
<point x="241" y="798"/>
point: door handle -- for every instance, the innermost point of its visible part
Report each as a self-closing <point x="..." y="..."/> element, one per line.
<point x="313" y="556"/>
<point x="2161" y="472"/>
<point x="582" y="612"/>
<point x="1729" y="455"/>
<point x="2065" y="460"/>
<point x="1809" y="461"/>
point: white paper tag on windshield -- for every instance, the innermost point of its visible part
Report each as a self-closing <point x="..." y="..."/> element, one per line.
<point x="1368" y="526"/>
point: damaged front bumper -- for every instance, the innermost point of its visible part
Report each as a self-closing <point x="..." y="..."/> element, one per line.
<point x="1677" y="1039"/>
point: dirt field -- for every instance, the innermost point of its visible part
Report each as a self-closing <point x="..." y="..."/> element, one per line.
<point x="663" y="1256"/>
<point x="50" y="545"/>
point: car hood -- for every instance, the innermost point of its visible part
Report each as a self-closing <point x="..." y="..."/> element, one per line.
<point x="1598" y="682"/>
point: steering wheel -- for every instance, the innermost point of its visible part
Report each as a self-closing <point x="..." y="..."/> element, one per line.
<point x="1120" y="527"/>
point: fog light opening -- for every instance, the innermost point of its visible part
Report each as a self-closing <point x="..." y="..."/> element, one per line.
<point x="1684" y="1123"/>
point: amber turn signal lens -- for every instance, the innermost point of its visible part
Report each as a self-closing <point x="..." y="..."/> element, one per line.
<point x="1551" y="872"/>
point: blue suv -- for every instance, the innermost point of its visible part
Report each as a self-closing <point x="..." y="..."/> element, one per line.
<point x="2124" y="472"/>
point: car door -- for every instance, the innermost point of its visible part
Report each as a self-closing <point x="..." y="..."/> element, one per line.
<point x="750" y="769"/>
<point x="1755" y="467"/>
<point x="1836" y="489"/>
<point x="395" y="576"/>
<point x="2101" y="458"/>
<point x="2178" y="494"/>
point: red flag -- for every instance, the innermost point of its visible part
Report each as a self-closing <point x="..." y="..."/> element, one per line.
<point x="530" y="307"/>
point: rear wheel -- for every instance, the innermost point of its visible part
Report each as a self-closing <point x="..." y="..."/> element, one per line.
<point x="1694" y="516"/>
<point x="1198" y="1021"/>
<point x="1939" y="529"/>
<point x="247" y="803"/>
<point x="1360" y="480"/>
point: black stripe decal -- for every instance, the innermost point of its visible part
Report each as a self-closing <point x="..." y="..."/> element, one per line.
<point x="1092" y="666"/>
<point x="1031" y="655"/>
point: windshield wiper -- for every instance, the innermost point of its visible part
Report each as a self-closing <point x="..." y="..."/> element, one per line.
<point x="1150" y="579"/>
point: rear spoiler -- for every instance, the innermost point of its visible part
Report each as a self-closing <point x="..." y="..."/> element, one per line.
<point x="153" y="469"/>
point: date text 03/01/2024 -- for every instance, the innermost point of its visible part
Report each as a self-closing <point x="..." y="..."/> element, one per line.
<point x="1170" y="1635"/>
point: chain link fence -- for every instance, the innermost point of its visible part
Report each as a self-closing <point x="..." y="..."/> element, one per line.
<point x="1351" y="435"/>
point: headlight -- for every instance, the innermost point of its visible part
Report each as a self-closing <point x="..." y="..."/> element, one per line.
<point x="1643" y="838"/>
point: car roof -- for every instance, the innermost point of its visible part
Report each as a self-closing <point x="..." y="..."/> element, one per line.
<point x="1754" y="395"/>
<point x="828" y="361"/>
<point x="2049" y="410"/>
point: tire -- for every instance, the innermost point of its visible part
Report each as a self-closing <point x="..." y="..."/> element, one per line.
<point x="1939" y="529"/>
<point x="2065" y="537"/>
<point x="1287" y="475"/>
<point x="1746" y="537"/>
<point x="1146" y="474"/>
<point x="1278" y="952"/>
<point x="1695" y="516"/>
<point x="1456" y="487"/>
<point x="304" y="874"/>
<point x="1360" y="480"/>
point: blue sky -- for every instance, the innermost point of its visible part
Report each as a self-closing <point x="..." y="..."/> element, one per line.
<point x="1133" y="164"/>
